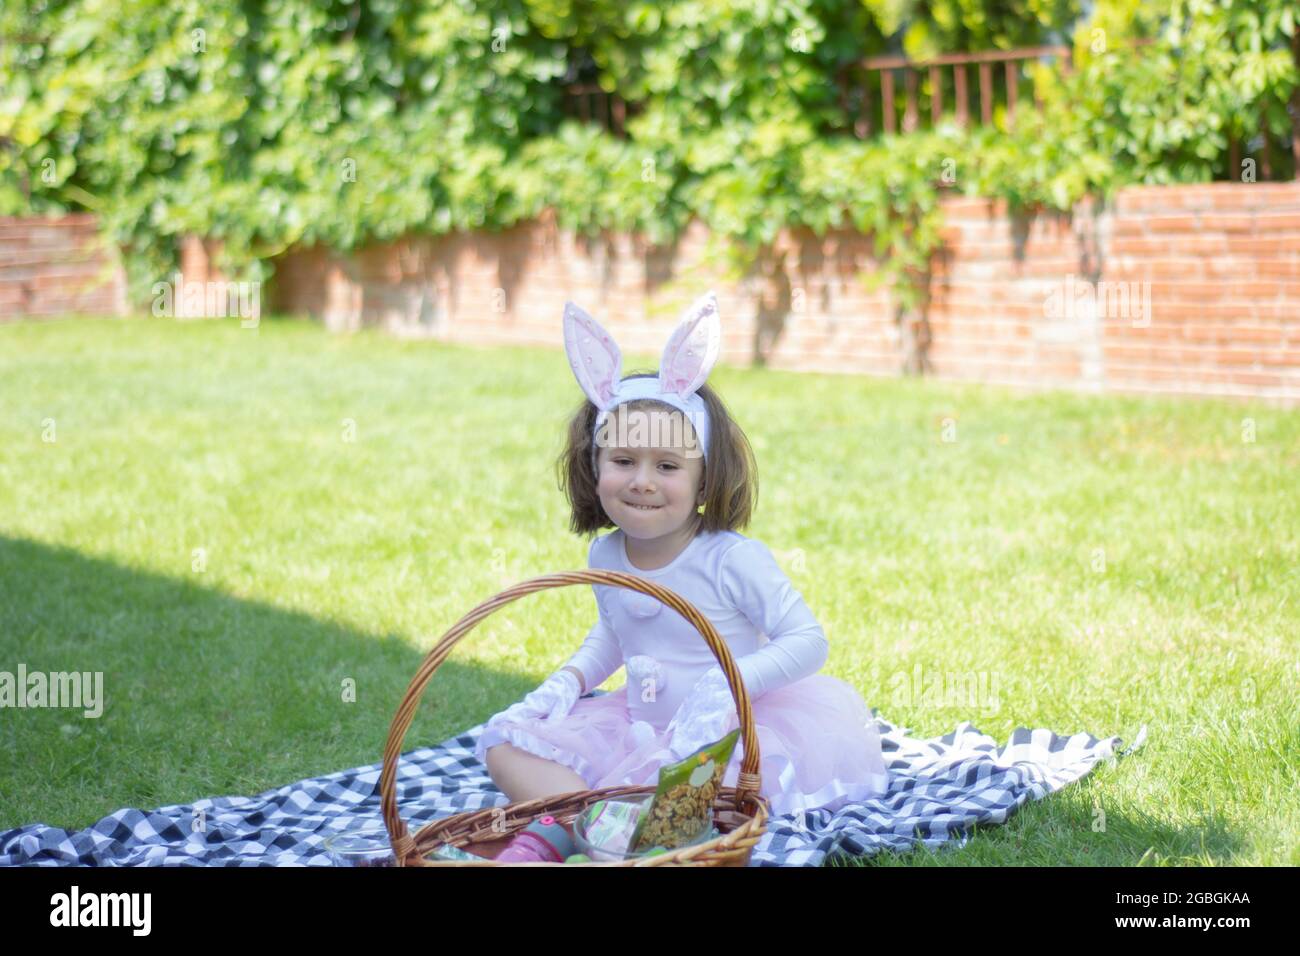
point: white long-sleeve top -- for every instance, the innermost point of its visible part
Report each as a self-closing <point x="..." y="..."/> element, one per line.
<point x="733" y="581"/>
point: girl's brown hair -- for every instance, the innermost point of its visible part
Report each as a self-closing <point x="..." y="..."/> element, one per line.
<point x="730" y="471"/>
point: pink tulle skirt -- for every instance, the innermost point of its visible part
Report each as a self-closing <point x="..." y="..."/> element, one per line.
<point x="817" y="743"/>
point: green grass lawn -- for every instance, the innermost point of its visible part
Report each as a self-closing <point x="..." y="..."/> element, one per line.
<point x="1090" y="563"/>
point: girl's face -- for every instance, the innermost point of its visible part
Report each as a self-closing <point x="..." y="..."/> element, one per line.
<point x="650" y="483"/>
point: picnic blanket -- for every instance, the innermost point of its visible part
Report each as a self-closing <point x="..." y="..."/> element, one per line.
<point x="939" y="789"/>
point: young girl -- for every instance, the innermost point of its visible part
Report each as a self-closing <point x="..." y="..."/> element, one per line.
<point x="644" y="453"/>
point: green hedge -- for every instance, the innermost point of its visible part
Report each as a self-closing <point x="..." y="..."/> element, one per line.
<point x="272" y="124"/>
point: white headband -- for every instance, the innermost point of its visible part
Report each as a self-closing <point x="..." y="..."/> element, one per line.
<point x="689" y="356"/>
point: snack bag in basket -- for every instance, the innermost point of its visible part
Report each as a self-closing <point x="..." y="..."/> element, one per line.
<point x="682" y="806"/>
<point x="610" y="824"/>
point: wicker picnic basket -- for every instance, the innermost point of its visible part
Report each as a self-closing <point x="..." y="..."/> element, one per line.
<point x="740" y="813"/>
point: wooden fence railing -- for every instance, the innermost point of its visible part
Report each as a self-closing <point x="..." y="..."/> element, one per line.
<point x="869" y="96"/>
<point x="589" y="103"/>
<point x="1001" y="77"/>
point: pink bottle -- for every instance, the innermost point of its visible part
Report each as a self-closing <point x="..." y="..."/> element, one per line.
<point x="545" y="840"/>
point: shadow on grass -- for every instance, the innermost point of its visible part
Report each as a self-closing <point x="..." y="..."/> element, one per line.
<point x="203" y="694"/>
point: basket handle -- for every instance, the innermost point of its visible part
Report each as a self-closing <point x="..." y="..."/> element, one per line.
<point x="748" y="781"/>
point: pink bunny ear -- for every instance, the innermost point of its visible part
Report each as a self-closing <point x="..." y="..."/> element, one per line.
<point x="693" y="348"/>
<point x="595" y="357"/>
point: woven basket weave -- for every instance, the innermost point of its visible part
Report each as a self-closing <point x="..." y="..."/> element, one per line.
<point x="740" y="813"/>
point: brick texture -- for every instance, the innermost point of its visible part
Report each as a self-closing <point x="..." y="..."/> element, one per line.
<point x="1172" y="290"/>
<point x="54" y="266"/>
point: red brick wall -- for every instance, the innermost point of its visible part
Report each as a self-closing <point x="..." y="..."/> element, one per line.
<point x="1220" y="262"/>
<point x="1224" y="266"/>
<point x="1180" y="290"/>
<point x="52" y="266"/>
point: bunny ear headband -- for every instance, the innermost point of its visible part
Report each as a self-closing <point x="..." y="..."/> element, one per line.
<point x="689" y="356"/>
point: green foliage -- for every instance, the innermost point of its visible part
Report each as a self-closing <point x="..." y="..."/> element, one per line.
<point x="945" y="26"/>
<point x="270" y="125"/>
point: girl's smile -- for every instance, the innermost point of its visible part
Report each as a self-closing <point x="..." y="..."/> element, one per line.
<point x="652" y="493"/>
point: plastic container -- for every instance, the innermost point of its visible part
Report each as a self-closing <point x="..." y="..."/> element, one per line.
<point x="361" y="846"/>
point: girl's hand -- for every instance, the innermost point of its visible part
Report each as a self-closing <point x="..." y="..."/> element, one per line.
<point x="551" y="701"/>
<point x="642" y="732"/>
<point x="704" y="716"/>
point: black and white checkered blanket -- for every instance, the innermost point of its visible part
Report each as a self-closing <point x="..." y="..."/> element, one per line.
<point x="939" y="789"/>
